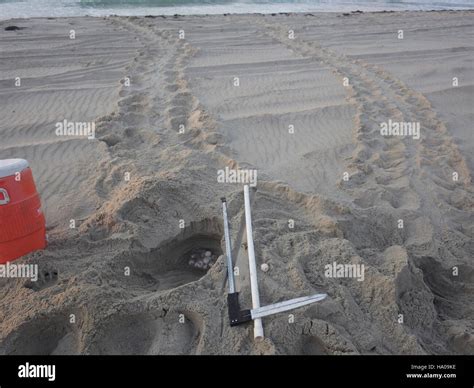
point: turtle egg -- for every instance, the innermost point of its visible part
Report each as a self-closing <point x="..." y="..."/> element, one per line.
<point x="265" y="267"/>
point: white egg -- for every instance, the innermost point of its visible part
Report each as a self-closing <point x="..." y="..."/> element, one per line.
<point x="265" y="267"/>
<point x="208" y="254"/>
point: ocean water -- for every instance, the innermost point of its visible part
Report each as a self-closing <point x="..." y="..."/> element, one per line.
<point x="55" y="8"/>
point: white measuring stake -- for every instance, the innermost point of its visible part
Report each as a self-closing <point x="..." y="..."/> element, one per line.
<point x="286" y="305"/>
<point x="258" y="328"/>
<point x="228" y="249"/>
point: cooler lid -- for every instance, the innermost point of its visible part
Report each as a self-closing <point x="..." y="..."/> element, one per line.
<point x="12" y="166"/>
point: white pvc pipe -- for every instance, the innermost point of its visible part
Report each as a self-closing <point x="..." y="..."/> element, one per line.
<point x="258" y="328"/>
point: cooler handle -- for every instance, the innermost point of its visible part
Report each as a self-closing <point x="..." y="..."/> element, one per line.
<point x="6" y="198"/>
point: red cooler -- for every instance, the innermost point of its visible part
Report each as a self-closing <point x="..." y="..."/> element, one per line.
<point x="22" y="223"/>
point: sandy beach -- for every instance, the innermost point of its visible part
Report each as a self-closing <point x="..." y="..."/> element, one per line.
<point x="299" y="98"/>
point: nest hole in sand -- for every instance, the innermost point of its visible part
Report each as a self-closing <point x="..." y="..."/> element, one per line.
<point x="184" y="259"/>
<point x="53" y="335"/>
<point x="146" y="333"/>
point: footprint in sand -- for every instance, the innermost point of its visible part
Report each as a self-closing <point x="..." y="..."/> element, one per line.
<point x="46" y="278"/>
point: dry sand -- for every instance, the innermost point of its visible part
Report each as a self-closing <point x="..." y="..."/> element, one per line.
<point x="164" y="306"/>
